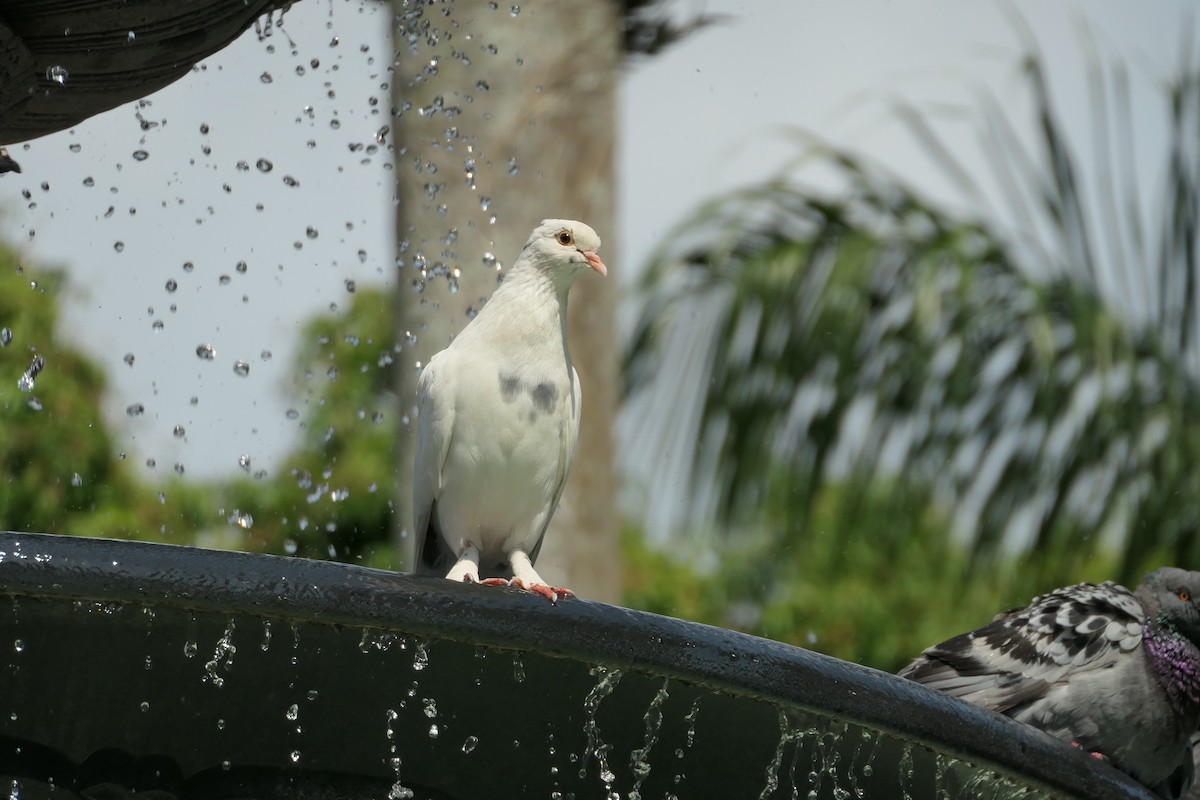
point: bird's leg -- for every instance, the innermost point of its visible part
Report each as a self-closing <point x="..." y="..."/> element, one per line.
<point x="526" y="577"/>
<point x="1093" y="753"/>
<point x="466" y="569"/>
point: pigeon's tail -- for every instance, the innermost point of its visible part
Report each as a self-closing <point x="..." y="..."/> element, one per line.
<point x="433" y="557"/>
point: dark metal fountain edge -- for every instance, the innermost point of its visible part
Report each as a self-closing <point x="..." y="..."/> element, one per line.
<point x="102" y="570"/>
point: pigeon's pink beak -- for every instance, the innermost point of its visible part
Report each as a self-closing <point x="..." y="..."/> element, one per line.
<point x="595" y="263"/>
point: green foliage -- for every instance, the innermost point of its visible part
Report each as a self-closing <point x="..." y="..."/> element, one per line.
<point x="58" y="461"/>
<point x="334" y="497"/>
<point x="871" y="575"/>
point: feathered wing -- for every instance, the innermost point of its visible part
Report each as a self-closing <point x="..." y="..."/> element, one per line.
<point x="1022" y="654"/>
<point x="435" y="427"/>
<point x="566" y="455"/>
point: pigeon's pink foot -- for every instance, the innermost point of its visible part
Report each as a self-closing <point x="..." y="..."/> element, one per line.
<point x="1093" y="753"/>
<point x="495" y="582"/>
<point x="551" y="593"/>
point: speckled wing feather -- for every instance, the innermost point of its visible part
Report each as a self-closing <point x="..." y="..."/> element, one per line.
<point x="566" y="456"/>
<point x="1016" y="659"/>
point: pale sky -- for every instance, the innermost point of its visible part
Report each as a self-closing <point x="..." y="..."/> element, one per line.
<point x="706" y="116"/>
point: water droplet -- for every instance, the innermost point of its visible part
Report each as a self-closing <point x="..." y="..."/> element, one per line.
<point x="129" y="358"/>
<point x="206" y="352"/>
<point x="89" y="181"/>
<point x="512" y="12"/>
<point x="470" y="744"/>
<point x="135" y="410"/>
<point x="119" y="246"/>
<point x="19" y="645"/>
<point x="264" y="165"/>
<point x="6" y="336"/>
<point x="294" y="756"/>
<point x="311" y="232"/>
<point x="518" y="668"/>
<point x="145" y="706"/>
<point x="241" y="369"/>
<point x="420" y="657"/>
<point x="244" y="463"/>
<point x="58" y="74"/>
<point x="292" y="414"/>
<point x="433" y="731"/>
<point x="266" y="77"/>
<point x="27" y="380"/>
<point x="171" y="285"/>
<point x="179" y="432"/>
<point x="293" y="712"/>
<point x="140" y="155"/>
<point x="76" y="479"/>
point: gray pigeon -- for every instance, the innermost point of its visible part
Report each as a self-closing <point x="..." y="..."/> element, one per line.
<point x="498" y="419"/>
<point x="6" y="162"/>
<point x="1114" y="672"/>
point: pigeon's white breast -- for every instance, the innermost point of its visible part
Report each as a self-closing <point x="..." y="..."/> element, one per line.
<point x="506" y="457"/>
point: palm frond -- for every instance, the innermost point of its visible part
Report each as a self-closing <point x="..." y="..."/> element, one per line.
<point x="877" y="338"/>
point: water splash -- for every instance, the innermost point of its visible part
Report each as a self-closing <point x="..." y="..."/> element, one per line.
<point x="905" y="769"/>
<point x="639" y="759"/>
<point x="869" y="741"/>
<point x="608" y="680"/>
<point x="398" y="790"/>
<point x="787" y="736"/>
<point x="379" y="640"/>
<point x="27" y="380"/>
<point x="222" y="656"/>
<point x="420" y="656"/>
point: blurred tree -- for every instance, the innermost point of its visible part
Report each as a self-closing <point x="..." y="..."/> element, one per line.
<point x="59" y="473"/>
<point x="881" y="396"/>
<point x="333" y="498"/>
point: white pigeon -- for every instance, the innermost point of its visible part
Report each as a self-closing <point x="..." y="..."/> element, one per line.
<point x="498" y="419"/>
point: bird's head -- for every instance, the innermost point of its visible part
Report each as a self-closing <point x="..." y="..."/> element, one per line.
<point x="1175" y="595"/>
<point x="563" y="248"/>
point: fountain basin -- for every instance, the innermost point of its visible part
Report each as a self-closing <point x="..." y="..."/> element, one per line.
<point x="206" y="674"/>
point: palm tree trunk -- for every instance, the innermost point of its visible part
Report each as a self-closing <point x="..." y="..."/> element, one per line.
<point x="485" y="150"/>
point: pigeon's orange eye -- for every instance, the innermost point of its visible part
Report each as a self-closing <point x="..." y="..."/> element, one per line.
<point x="1185" y="595"/>
<point x="565" y="237"/>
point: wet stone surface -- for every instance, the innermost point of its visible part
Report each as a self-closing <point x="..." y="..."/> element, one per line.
<point x="185" y="696"/>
